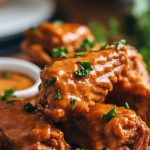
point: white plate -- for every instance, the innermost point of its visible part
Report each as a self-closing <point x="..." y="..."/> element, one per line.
<point x="26" y="68"/>
<point x="19" y="15"/>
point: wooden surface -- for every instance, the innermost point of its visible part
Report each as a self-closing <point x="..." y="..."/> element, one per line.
<point x="84" y="11"/>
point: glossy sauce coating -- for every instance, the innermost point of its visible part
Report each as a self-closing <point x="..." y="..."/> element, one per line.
<point x="124" y="132"/>
<point x="20" y="130"/>
<point x="40" y="41"/>
<point x="107" y="66"/>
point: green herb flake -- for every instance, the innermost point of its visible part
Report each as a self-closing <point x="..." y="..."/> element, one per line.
<point x="58" y="52"/>
<point x="5" y="73"/>
<point x="34" y="28"/>
<point x="111" y="114"/>
<point x="7" y="94"/>
<point x="87" y="45"/>
<point x="29" y="107"/>
<point x="84" y="69"/>
<point x="104" y="46"/>
<point x="120" y="44"/>
<point x="49" y="83"/>
<point x="79" y="54"/>
<point x="127" y="105"/>
<point x="58" y="22"/>
<point x="72" y="103"/>
<point x="58" y="95"/>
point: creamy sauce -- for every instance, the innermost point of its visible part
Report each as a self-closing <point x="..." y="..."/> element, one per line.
<point x="14" y="80"/>
<point x="85" y="90"/>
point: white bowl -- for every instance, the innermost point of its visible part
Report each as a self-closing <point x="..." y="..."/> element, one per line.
<point x="19" y="15"/>
<point x="26" y="68"/>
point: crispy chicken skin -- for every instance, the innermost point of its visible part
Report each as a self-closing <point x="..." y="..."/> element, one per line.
<point x="135" y="80"/>
<point x="40" y="41"/>
<point x="21" y="130"/>
<point x="124" y="132"/>
<point x="107" y="66"/>
<point x="140" y="104"/>
<point x="133" y="86"/>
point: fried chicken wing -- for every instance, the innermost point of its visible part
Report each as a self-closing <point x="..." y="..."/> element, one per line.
<point x="133" y="86"/>
<point x="140" y="104"/>
<point x="21" y="130"/>
<point x="40" y="41"/>
<point x="81" y="80"/>
<point x="125" y="131"/>
<point x="135" y="80"/>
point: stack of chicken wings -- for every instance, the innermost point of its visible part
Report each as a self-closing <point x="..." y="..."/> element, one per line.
<point x="92" y="97"/>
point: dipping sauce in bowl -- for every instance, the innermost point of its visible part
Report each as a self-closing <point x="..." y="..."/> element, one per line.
<point x="14" y="80"/>
<point x="20" y="76"/>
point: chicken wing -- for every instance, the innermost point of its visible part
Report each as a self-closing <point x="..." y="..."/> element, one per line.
<point x="133" y="86"/>
<point x="135" y="80"/>
<point x="140" y="104"/>
<point x="124" y="130"/>
<point x="21" y="129"/>
<point x="80" y="81"/>
<point x="40" y="41"/>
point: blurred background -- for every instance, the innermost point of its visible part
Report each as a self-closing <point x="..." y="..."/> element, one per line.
<point x="109" y="20"/>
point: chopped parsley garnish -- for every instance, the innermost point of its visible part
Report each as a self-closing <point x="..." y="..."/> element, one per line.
<point x="58" y="52"/>
<point x="33" y="28"/>
<point x="58" y="95"/>
<point x="104" y="46"/>
<point x="7" y="95"/>
<point x="84" y="69"/>
<point x="111" y="114"/>
<point x="29" y="107"/>
<point x="58" y="22"/>
<point x="49" y="83"/>
<point x="72" y="103"/>
<point x="5" y="73"/>
<point x="79" y="54"/>
<point x="120" y="44"/>
<point x="87" y="45"/>
<point x="127" y="105"/>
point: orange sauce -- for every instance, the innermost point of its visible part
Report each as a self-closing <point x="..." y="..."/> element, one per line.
<point x="14" y="80"/>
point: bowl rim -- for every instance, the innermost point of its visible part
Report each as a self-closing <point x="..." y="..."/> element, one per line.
<point x="24" y="67"/>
